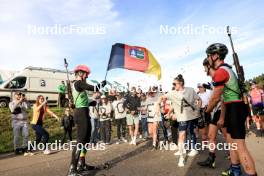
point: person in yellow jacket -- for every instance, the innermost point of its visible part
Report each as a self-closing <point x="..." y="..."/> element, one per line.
<point x="40" y="108"/>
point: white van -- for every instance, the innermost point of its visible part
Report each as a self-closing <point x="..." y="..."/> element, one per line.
<point x="33" y="81"/>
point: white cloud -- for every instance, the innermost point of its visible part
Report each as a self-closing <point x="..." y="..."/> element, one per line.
<point x="18" y="49"/>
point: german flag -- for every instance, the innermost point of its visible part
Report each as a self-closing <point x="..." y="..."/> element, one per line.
<point x="133" y="58"/>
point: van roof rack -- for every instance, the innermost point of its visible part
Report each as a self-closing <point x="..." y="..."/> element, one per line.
<point x="47" y="69"/>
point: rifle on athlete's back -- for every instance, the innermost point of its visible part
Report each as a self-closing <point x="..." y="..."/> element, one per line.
<point x="69" y="89"/>
<point x="239" y="71"/>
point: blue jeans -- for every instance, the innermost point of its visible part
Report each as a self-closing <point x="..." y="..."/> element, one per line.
<point x="40" y="132"/>
<point x="19" y="127"/>
<point x="95" y="130"/>
<point x="164" y="129"/>
<point x="188" y="127"/>
<point x="144" y="123"/>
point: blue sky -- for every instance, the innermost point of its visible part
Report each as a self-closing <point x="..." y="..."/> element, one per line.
<point x="135" y="23"/>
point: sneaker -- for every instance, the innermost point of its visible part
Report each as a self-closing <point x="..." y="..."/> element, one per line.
<point x="131" y="142"/>
<point x="46" y="152"/>
<point x="140" y="136"/>
<point x="28" y="154"/>
<point x="134" y="141"/>
<point x="210" y="163"/>
<point x="227" y="172"/>
<point x="181" y="162"/>
<point x="86" y="167"/>
<point x="124" y="140"/>
<point x="107" y="143"/>
<point x="178" y="153"/>
<point x="118" y="142"/>
<point x="73" y="172"/>
<point x="17" y="152"/>
<point x="193" y="153"/>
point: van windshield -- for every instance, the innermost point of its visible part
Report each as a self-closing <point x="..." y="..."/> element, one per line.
<point x="17" y="83"/>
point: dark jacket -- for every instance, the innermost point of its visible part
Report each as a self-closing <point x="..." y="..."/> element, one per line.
<point x="132" y="103"/>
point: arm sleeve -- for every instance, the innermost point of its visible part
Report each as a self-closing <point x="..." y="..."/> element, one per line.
<point x="12" y="106"/>
<point x="81" y="86"/>
<point x="25" y="105"/>
<point x="221" y="77"/>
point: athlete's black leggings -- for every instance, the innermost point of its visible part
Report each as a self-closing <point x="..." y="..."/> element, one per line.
<point x="83" y="122"/>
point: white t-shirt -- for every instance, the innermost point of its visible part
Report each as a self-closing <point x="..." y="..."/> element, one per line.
<point x="94" y="111"/>
<point x="144" y="111"/>
<point x="176" y="98"/>
<point x="151" y="102"/>
<point x="120" y="112"/>
<point x="105" y="111"/>
<point x="205" y="97"/>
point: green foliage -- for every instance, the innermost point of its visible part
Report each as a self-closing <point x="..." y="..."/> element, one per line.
<point x="50" y="124"/>
<point x="6" y="133"/>
<point x="259" y="79"/>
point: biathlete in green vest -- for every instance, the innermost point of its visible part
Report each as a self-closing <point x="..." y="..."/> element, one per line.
<point x="233" y="112"/>
<point x="82" y="119"/>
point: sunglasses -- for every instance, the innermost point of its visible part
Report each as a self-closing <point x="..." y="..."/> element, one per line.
<point x="174" y="84"/>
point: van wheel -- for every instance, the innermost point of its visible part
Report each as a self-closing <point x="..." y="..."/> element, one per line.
<point x="3" y="103"/>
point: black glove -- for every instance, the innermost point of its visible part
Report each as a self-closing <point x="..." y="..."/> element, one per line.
<point x="103" y="83"/>
<point x="92" y="103"/>
<point x="207" y="86"/>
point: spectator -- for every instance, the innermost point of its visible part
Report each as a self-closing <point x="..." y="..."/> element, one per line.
<point x="61" y="91"/>
<point x="67" y="124"/>
<point x="120" y="117"/>
<point x="40" y="108"/>
<point x="18" y="108"/>
<point x="94" y="114"/>
<point x="105" y="110"/>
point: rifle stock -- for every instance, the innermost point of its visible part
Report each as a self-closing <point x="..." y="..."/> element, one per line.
<point x="239" y="71"/>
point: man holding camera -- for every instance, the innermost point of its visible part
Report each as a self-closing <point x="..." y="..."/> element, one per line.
<point x="18" y="108"/>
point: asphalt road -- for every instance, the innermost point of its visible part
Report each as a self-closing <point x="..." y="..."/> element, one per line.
<point x="125" y="159"/>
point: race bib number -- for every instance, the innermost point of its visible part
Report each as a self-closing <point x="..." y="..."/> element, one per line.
<point x="120" y="108"/>
<point x="151" y="111"/>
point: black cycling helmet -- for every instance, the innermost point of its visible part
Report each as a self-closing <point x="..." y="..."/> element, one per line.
<point x="218" y="48"/>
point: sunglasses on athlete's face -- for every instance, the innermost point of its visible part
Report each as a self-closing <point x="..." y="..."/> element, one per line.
<point x="175" y="83"/>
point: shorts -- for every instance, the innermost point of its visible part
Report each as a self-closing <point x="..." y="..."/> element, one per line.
<point x="215" y="117"/>
<point x="258" y="110"/>
<point x="184" y="125"/>
<point x="154" y="119"/>
<point x="132" y="119"/>
<point x="235" y="118"/>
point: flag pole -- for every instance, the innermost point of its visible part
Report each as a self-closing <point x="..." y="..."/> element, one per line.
<point x="108" y="63"/>
<point x="106" y="73"/>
